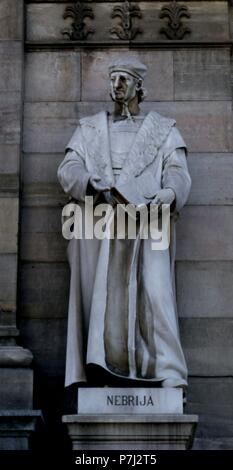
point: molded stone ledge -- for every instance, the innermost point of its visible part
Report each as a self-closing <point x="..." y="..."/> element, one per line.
<point x="128" y="432"/>
<point x="17" y="427"/>
<point x="15" y="356"/>
<point x="8" y="331"/>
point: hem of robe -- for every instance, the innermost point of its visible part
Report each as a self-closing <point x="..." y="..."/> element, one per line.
<point x="68" y="383"/>
<point x="179" y="382"/>
<point x="140" y="379"/>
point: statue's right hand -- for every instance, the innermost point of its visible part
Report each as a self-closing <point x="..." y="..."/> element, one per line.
<point x="99" y="185"/>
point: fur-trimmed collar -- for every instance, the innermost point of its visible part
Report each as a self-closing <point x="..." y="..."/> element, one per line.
<point x="151" y="135"/>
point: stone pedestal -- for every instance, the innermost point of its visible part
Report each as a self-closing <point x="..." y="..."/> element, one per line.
<point x="17" y="428"/>
<point x="133" y="419"/>
<point x="17" y="418"/>
<point x="141" y="432"/>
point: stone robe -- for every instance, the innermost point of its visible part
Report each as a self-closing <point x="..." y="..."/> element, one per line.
<point x="122" y="308"/>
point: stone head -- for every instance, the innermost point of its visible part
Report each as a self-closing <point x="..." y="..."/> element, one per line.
<point x="126" y="80"/>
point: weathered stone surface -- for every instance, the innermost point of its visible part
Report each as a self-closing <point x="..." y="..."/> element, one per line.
<point x="215" y="426"/>
<point x="16" y="388"/>
<point x="43" y="247"/>
<point x="47" y="341"/>
<point x="11" y="66"/>
<point x="115" y="401"/>
<point x="44" y="195"/>
<point x="44" y="290"/>
<point x="205" y="233"/>
<point x="210" y="396"/>
<point x="95" y="78"/>
<point x="8" y="276"/>
<point x="231" y="22"/>
<point x="9" y="118"/>
<point x="52" y="76"/>
<point x="9" y="185"/>
<point x="160" y="432"/>
<point x="204" y="289"/>
<point x="9" y="158"/>
<point x="8" y="225"/>
<point x="41" y="220"/>
<point x="41" y="168"/>
<point x="206" y="126"/>
<point x="202" y="74"/>
<point x="208" y="345"/>
<point x="214" y="433"/>
<point x="56" y="122"/>
<point x="11" y="19"/>
<point x="15" y="356"/>
<point x="41" y="235"/>
<point x="16" y="428"/>
<point x="216" y="170"/>
<point x="8" y="330"/>
<point x="213" y="444"/>
<point x="10" y="97"/>
<point x="45" y="21"/>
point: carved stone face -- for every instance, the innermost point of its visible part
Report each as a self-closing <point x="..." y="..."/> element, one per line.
<point x="123" y="87"/>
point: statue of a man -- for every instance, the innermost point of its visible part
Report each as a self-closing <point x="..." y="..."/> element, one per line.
<point x="122" y="310"/>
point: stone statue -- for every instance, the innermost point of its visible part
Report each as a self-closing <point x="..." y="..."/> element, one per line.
<point x="122" y="312"/>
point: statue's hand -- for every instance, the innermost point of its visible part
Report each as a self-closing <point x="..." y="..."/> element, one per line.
<point x="164" y="196"/>
<point x="98" y="184"/>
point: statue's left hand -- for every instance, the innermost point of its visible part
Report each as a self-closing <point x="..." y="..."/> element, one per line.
<point x="164" y="196"/>
<point x="98" y="184"/>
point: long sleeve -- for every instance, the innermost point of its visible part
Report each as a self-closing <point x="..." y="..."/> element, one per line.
<point x="175" y="172"/>
<point x="73" y="175"/>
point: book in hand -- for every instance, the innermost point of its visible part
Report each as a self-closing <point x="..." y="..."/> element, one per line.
<point x="138" y="192"/>
<point x="128" y="197"/>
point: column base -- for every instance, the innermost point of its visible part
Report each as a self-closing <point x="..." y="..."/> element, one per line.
<point x="17" y="428"/>
<point x="18" y="421"/>
<point x="15" y="356"/>
<point x="142" y="432"/>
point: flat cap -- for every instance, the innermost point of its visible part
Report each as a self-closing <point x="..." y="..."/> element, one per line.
<point x="129" y="65"/>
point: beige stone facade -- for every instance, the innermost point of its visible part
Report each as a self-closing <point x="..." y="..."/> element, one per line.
<point x="47" y="82"/>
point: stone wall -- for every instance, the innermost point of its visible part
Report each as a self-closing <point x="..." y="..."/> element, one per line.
<point x="189" y="80"/>
<point x="17" y="419"/>
<point x="11" y="64"/>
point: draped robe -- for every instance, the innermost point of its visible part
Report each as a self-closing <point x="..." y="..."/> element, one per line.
<point x="122" y="307"/>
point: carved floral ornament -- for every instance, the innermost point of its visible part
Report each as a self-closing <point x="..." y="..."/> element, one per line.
<point x="78" y="12"/>
<point x="174" y="28"/>
<point x="125" y="29"/>
<point x="124" y="16"/>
